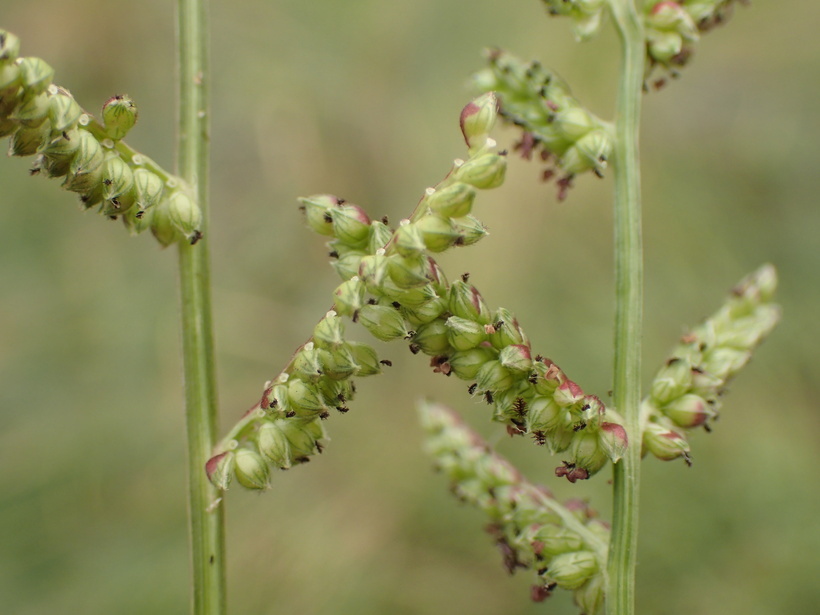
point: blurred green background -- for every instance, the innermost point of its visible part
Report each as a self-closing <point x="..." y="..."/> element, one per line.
<point x="361" y="98"/>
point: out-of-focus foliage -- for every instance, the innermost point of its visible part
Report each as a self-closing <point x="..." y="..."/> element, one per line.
<point x="361" y="98"/>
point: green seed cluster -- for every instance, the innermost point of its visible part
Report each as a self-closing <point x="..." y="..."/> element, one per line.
<point x="43" y="120"/>
<point x="587" y="15"/>
<point x="686" y="392"/>
<point x="396" y="290"/>
<point x="563" y="544"/>
<point x="672" y="28"/>
<point x="555" y="126"/>
<point x="285" y="427"/>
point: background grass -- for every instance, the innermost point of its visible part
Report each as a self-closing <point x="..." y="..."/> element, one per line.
<point x="361" y="98"/>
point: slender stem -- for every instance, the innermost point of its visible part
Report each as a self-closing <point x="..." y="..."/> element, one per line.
<point x="629" y="308"/>
<point x="206" y="518"/>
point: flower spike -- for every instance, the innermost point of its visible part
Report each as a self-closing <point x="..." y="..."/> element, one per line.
<point x="563" y="544"/>
<point x="393" y="288"/>
<point x="687" y="391"/>
<point x="452" y="324"/>
<point x="43" y="119"/>
<point x="673" y="28"/>
<point x="555" y="127"/>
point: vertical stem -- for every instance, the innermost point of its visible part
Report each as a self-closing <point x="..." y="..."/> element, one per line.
<point x="629" y="308"/>
<point x="206" y="522"/>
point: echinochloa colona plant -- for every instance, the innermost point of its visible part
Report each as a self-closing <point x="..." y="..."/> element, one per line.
<point x="391" y="285"/>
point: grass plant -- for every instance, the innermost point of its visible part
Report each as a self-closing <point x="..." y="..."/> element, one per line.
<point x="393" y="287"/>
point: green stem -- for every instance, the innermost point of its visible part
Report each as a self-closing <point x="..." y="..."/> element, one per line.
<point x="205" y="514"/>
<point x="629" y="308"/>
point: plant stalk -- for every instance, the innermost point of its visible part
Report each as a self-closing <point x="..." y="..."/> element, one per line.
<point x="206" y="519"/>
<point x="629" y="310"/>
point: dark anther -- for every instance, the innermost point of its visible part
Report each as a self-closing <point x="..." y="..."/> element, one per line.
<point x="579" y="426"/>
<point x="570" y="472"/>
<point x="415" y="348"/>
<point x="539" y="593"/>
<point x="564" y="184"/>
<point x="488" y="397"/>
<point x="441" y="365"/>
<point x="328" y="218"/>
<point x="386" y="362"/>
<point x="290" y="414"/>
<point x="333" y="254"/>
<point x="196" y="237"/>
<point x="508" y="555"/>
<point x="577" y="474"/>
<point x="342" y="409"/>
<point x="472" y="388"/>
<point x="465" y="277"/>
